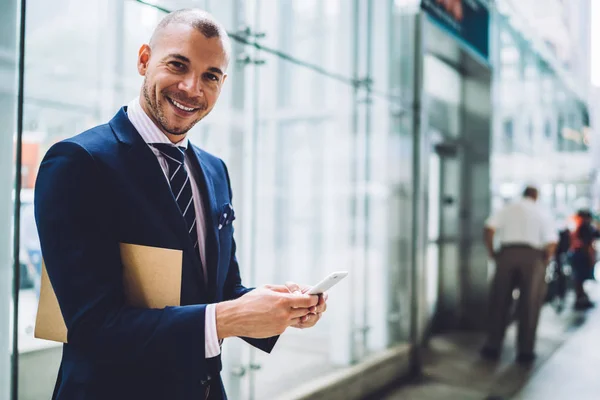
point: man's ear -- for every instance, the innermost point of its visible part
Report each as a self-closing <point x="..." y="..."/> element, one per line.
<point x="143" y="59"/>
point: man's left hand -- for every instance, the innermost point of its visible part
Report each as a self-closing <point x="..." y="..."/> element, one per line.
<point x="316" y="312"/>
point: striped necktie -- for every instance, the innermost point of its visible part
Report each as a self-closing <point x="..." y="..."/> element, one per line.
<point x="181" y="186"/>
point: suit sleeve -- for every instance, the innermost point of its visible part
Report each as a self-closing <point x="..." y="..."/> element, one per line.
<point x="234" y="288"/>
<point x="81" y="251"/>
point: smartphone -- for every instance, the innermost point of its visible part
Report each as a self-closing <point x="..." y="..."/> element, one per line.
<point x="328" y="282"/>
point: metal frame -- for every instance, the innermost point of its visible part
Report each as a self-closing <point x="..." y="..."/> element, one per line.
<point x="17" y="205"/>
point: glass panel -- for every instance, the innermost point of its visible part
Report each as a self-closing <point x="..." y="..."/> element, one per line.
<point x="399" y="170"/>
<point x="304" y="189"/>
<point x="387" y="286"/>
<point x="9" y="59"/>
<point x="308" y="30"/>
<point x="227" y="133"/>
<point x="69" y="88"/>
<point x="303" y="217"/>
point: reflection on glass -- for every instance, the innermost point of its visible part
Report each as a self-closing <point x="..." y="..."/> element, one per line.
<point x="561" y="194"/>
<point x="9" y="58"/>
<point x="509" y="190"/>
<point x="547" y="194"/>
<point x="571" y="193"/>
<point x="303" y="189"/>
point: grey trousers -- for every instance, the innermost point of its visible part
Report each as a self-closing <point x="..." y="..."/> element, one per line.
<point x="519" y="267"/>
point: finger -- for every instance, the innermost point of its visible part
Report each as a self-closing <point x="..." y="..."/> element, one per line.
<point x="322" y="308"/>
<point x="311" y="321"/>
<point x="278" y="288"/>
<point x="298" y="312"/>
<point x="305" y="321"/>
<point x="305" y="288"/>
<point x="316" y="318"/>
<point x="324" y="297"/>
<point x="296" y="323"/>
<point x="303" y="300"/>
<point x="322" y="300"/>
<point x="293" y="287"/>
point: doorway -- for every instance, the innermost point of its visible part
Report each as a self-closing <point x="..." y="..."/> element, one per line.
<point x="456" y="133"/>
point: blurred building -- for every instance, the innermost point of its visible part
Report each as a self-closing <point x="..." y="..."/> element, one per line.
<point x="543" y="126"/>
<point x="369" y="136"/>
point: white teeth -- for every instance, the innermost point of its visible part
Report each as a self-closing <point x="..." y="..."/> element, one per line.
<point x="181" y="106"/>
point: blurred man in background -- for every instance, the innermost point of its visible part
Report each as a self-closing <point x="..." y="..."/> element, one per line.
<point x="583" y="257"/>
<point x="526" y="237"/>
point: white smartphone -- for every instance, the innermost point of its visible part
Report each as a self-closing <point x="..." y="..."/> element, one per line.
<point x="328" y="282"/>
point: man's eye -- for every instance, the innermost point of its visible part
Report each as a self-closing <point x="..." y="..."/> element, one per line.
<point x="177" y="65"/>
<point x="212" y="77"/>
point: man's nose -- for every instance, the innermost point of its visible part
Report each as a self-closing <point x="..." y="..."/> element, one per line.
<point x="191" y="85"/>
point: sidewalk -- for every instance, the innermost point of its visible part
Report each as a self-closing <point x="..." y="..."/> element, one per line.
<point x="573" y="370"/>
<point x="565" y="349"/>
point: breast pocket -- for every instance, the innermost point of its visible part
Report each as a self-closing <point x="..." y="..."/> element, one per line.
<point x="225" y="216"/>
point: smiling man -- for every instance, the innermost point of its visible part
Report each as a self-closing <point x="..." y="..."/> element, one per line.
<point x="138" y="180"/>
<point x="175" y="96"/>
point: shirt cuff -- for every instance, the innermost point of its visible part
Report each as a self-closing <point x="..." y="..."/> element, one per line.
<point x="212" y="346"/>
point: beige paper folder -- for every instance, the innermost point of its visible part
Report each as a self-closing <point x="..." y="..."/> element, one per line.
<point x="151" y="279"/>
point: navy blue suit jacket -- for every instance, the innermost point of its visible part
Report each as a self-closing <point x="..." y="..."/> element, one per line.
<point x="104" y="187"/>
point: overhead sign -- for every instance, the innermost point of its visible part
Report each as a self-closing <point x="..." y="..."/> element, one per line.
<point x="468" y="20"/>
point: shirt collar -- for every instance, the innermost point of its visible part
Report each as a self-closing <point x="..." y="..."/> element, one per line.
<point x="147" y="128"/>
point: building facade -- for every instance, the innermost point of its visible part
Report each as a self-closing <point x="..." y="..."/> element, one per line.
<point x="369" y="136"/>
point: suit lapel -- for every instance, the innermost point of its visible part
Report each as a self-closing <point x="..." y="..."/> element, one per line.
<point x="146" y="172"/>
<point x="207" y="191"/>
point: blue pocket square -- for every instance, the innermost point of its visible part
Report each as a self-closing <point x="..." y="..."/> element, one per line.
<point x="226" y="216"/>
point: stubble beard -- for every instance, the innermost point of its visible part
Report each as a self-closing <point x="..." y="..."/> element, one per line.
<point x="159" y="116"/>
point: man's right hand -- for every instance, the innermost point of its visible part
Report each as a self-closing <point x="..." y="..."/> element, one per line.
<point x="263" y="312"/>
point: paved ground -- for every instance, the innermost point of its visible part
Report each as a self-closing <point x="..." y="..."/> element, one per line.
<point x="567" y="358"/>
<point x="572" y="372"/>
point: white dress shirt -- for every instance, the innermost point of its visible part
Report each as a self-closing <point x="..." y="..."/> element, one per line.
<point x="523" y="222"/>
<point x="152" y="134"/>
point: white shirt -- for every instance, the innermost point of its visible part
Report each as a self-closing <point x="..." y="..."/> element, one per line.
<point x="152" y="134"/>
<point x="523" y="222"/>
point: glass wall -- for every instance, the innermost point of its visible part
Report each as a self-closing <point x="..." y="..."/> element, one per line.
<point x="9" y="83"/>
<point x="315" y="127"/>
<point x="75" y="79"/>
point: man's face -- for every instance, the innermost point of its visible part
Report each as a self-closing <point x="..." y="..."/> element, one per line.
<point x="183" y="75"/>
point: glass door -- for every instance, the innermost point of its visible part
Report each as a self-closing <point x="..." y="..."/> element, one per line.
<point x="433" y="236"/>
<point x="442" y="275"/>
<point x="449" y="284"/>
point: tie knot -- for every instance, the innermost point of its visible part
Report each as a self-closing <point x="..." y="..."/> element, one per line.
<point x="172" y="153"/>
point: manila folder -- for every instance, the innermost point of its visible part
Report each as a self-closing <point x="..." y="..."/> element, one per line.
<point x="151" y="279"/>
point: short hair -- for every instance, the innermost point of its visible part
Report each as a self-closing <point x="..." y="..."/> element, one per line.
<point x="200" y="20"/>
<point x="585" y="214"/>
<point x="531" y="192"/>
